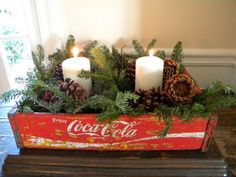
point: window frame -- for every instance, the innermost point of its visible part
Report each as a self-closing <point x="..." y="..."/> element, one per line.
<point x="38" y="25"/>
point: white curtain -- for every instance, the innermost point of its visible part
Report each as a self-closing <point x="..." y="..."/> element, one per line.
<point x="4" y="82"/>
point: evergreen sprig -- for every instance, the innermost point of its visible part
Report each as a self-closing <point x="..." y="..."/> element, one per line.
<point x="108" y="71"/>
<point x="58" y="56"/>
<point x="38" y="58"/>
<point x="98" y="75"/>
<point x="70" y="43"/>
<point x="122" y="101"/>
<point x="178" y="55"/>
<point x="42" y="72"/>
<point x="140" y="51"/>
<point x="12" y="94"/>
<point x="151" y="45"/>
<point x="110" y="108"/>
<point x="138" y="48"/>
<point x="100" y="57"/>
<point x="88" y="48"/>
<point x="161" y="54"/>
<point x="218" y="88"/>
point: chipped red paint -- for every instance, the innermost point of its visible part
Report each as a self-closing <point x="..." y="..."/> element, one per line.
<point x="82" y="131"/>
<point x="209" y="132"/>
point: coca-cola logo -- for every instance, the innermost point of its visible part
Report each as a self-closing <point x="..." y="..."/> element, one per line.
<point x="121" y="129"/>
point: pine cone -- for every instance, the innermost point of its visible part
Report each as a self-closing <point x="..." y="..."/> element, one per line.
<point x="180" y="89"/>
<point x="58" y="73"/>
<point x="73" y="89"/>
<point x="47" y="96"/>
<point x="151" y="98"/>
<point x="170" y="69"/>
<point x="130" y="72"/>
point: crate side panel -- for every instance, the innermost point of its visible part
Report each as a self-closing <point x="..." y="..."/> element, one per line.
<point x="82" y="131"/>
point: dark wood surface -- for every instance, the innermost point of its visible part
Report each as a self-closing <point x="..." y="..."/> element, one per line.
<point x="31" y="165"/>
<point x="33" y="162"/>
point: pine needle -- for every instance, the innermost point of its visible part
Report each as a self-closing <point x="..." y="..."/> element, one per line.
<point x="138" y="48"/>
<point x="177" y="53"/>
<point x="151" y="45"/>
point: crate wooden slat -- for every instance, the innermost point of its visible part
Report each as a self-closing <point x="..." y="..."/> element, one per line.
<point x="84" y="132"/>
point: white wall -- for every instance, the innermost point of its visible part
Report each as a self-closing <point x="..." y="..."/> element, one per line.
<point x="209" y="65"/>
<point x="197" y="23"/>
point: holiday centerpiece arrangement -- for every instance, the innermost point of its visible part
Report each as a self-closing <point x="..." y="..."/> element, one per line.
<point x="107" y="99"/>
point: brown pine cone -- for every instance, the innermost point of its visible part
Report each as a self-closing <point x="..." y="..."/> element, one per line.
<point x="170" y="69"/>
<point x="47" y="96"/>
<point x="58" y="73"/>
<point x="73" y="89"/>
<point x="130" y="72"/>
<point x="150" y="99"/>
<point x="180" y="89"/>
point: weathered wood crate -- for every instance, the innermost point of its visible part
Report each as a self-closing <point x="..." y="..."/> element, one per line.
<point x="83" y="132"/>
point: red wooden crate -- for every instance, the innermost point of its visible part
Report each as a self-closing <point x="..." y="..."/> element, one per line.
<point x="82" y="131"/>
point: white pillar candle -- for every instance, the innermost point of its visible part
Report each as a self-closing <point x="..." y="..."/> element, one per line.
<point x="72" y="67"/>
<point x="149" y="72"/>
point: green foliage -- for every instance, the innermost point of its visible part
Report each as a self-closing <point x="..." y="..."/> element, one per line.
<point x="178" y="55"/>
<point x="88" y="48"/>
<point x="119" y="61"/>
<point x="62" y="103"/>
<point x="103" y="71"/>
<point x="112" y="94"/>
<point x="151" y="45"/>
<point x="222" y="103"/>
<point x="11" y="95"/>
<point x="122" y="101"/>
<point x="61" y="54"/>
<point x="58" y="57"/>
<point x="138" y="48"/>
<point x="218" y="88"/>
<point x="161" y="54"/>
<point x="140" y="51"/>
<point x="28" y="99"/>
<point x="38" y="58"/>
<point x="70" y="43"/>
<point x="217" y="97"/>
<point x="97" y="75"/>
<point x="110" y="108"/>
<point x="100" y="57"/>
<point x="27" y="109"/>
<point x="108" y="71"/>
<point x="168" y="125"/>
